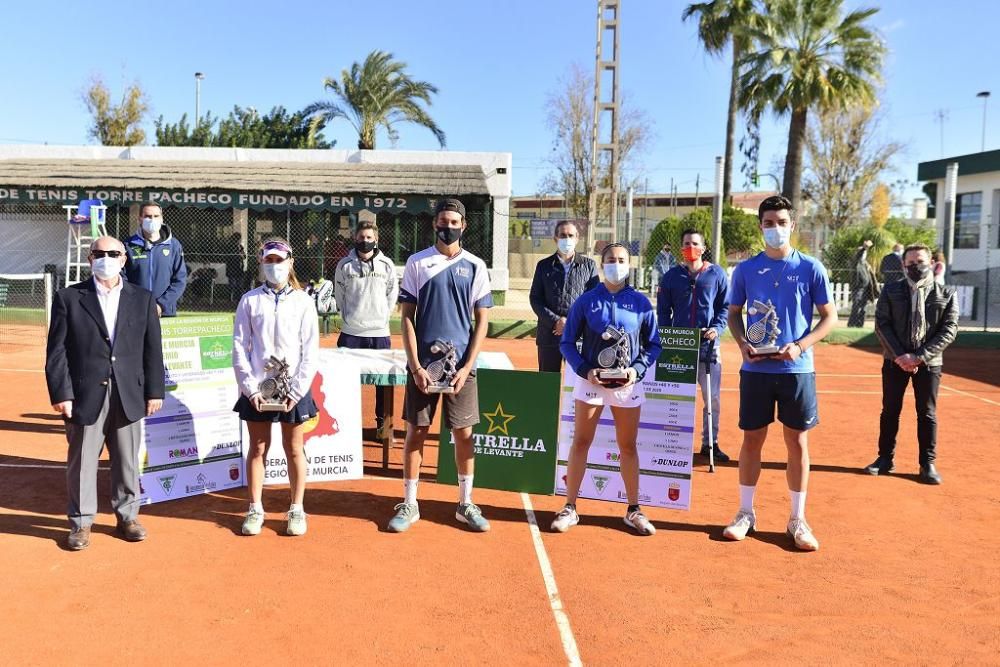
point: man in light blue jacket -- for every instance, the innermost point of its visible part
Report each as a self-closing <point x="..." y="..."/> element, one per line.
<point x="366" y="289"/>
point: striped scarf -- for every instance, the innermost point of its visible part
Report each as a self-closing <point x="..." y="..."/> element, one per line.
<point x="918" y="315"/>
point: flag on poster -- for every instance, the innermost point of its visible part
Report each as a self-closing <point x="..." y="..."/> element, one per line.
<point x="666" y="431"/>
<point x="332" y="440"/>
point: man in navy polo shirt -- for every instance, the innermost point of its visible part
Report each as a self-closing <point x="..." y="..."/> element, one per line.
<point x="694" y="294"/>
<point x="780" y="287"/>
<point x="443" y="287"/>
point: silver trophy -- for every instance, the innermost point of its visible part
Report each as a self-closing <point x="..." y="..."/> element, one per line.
<point x="765" y="327"/>
<point x="274" y="390"/>
<point x="442" y="371"/>
<point x="614" y="359"/>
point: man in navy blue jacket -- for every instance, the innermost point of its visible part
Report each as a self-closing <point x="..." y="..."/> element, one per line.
<point x="695" y="294"/>
<point x="155" y="260"/>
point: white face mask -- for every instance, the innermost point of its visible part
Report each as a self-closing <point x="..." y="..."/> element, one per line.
<point x="106" y="268"/>
<point x="616" y="272"/>
<point x="277" y="274"/>
<point x="151" y="226"/>
<point x="566" y="246"/>
<point x="777" y="237"/>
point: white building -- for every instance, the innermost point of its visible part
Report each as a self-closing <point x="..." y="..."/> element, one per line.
<point x="976" y="257"/>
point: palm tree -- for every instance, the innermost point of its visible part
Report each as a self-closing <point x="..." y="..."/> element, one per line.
<point x="377" y="93"/>
<point x="810" y="56"/>
<point x="719" y="23"/>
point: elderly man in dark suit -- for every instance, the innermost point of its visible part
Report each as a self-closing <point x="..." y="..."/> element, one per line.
<point x="104" y="370"/>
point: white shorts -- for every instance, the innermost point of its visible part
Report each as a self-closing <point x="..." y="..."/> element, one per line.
<point x="631" y="396"/>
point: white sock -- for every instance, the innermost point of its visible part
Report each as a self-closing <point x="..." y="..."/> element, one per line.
<point x="295" y="508"/>
<point x="465" y="489"/>
<point x="746" y="497"/>
<point x="257" y="507"/>
<point x="798" y="504"/>
<point x="410" y="491"/>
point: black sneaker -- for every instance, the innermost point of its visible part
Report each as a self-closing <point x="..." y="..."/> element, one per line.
<point x="720" y="456"/>
<point x="880" y="466"/>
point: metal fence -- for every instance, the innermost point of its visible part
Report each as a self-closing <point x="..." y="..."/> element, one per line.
<point x="220" y="245"/>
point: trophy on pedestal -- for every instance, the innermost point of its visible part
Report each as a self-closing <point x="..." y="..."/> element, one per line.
<point x="614" y="359"/>
<point x="274" y="390"/>
<point x="765" y="327"/>
<point x="442" y="370"/>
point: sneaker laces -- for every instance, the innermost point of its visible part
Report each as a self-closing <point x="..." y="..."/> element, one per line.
<point x="403" y="509"/>
<point x="743" y="516"/>
<point x="565" y="512"/>
<point x="472" y="510"/>
<point x="798" y="527"/>
<point x="637" y="517"/>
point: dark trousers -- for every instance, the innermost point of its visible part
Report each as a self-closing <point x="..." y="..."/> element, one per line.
<point x="926" y="381"/>
<point x="550" y="359"/>
<point x="368" y="343"/>
<point x="859" y="300"/>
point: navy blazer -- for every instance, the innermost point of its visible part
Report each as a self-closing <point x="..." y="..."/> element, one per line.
<point x="80" y="360"/>
<point x="553" y="291"/>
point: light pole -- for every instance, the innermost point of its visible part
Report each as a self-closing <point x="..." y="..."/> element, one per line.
<point x="198" y="76"/>
<point x="985" y="94"/>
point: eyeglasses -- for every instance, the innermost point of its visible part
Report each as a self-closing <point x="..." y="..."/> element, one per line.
<point x="106" y="253"/>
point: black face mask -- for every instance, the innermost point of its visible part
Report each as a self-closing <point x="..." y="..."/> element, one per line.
<point x="917" y="272"/>
<point x="364" y="247"/>
<point x="448" y="235"/>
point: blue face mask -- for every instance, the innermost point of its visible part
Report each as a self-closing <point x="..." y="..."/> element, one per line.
<point x="777" y="237"/>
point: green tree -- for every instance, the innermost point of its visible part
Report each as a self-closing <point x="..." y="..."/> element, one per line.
<point x="809" y="56"/>
<point x="907" y="234"/>
<point x="740" y="232"/>
<point x="116" y="124"/>
<point x="378" y="93"/>
<point x="722" y="23"/>
<point x="245" y="128"/>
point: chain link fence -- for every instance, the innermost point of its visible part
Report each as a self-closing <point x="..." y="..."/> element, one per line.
<point x="220" y="245"/>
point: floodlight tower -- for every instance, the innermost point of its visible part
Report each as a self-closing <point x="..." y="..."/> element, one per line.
<point x="605" y="149"/>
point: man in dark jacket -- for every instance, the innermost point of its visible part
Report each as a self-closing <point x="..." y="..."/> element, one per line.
<point x="155" y="260"/>
<point x="916" y="319"/>
<point x="695" y="294"/>
<point x="559" y="280"/>
<point x="104" y="371"/>
<point x="864" y="286"/>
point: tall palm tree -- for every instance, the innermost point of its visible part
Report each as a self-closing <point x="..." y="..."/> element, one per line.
<point x="377" y="93"/>
<point x="721" y="22"/>
<point x="810" y="56"/>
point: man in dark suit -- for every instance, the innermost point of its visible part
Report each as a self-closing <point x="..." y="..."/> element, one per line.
<point x="558" y="281"/>
<point x="104" y="370"/>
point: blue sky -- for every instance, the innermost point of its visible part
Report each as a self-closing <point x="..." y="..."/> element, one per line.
<point x="494" y="62"/>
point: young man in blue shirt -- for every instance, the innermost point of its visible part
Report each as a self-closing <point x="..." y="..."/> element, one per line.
<point x="780" y="287"/>
<point x="695" y="294"/>
<point x="443" y="287"/>
<point x="155" y="260"/>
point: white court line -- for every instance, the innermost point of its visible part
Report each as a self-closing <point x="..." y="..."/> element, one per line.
<point x="22" y="370"/>
<point x="965" y="393"/>
<point x="555" y="602"/>
<point x="38" y="466"/>
<point x="823" y="391"/>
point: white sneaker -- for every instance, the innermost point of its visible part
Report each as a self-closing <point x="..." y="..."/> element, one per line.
<point x="565" y="519"/>
<point x="800" y="531"/>
<point x="742" y="524"/>
<point x="253" y="523"/>
<point x="296" y="523"/>
<point x="638" y="522"/>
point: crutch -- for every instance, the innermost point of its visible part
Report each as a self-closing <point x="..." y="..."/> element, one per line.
<point x="708" y="406"/>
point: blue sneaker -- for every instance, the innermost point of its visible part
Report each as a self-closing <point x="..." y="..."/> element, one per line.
<point x="472" y="516"/>
<point x="406" y="515"/>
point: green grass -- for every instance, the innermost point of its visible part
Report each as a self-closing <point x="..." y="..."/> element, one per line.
<point x="22" y="316"/>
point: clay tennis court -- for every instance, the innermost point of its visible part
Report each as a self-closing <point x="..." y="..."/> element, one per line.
<point x="906" y="573"/>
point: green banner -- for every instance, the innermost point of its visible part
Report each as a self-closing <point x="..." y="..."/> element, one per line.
<point x="678" y="361"/>
<point x="220" y="199"/>
<point x="515" y="440"/>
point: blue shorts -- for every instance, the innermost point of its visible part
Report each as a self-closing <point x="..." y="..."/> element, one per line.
<point x="794" y="393"/>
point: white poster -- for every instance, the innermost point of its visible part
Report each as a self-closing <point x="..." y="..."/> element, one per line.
<point x="333" y="439"/>
<point x="192" y="445"/>
<point x="666" y="431"/>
